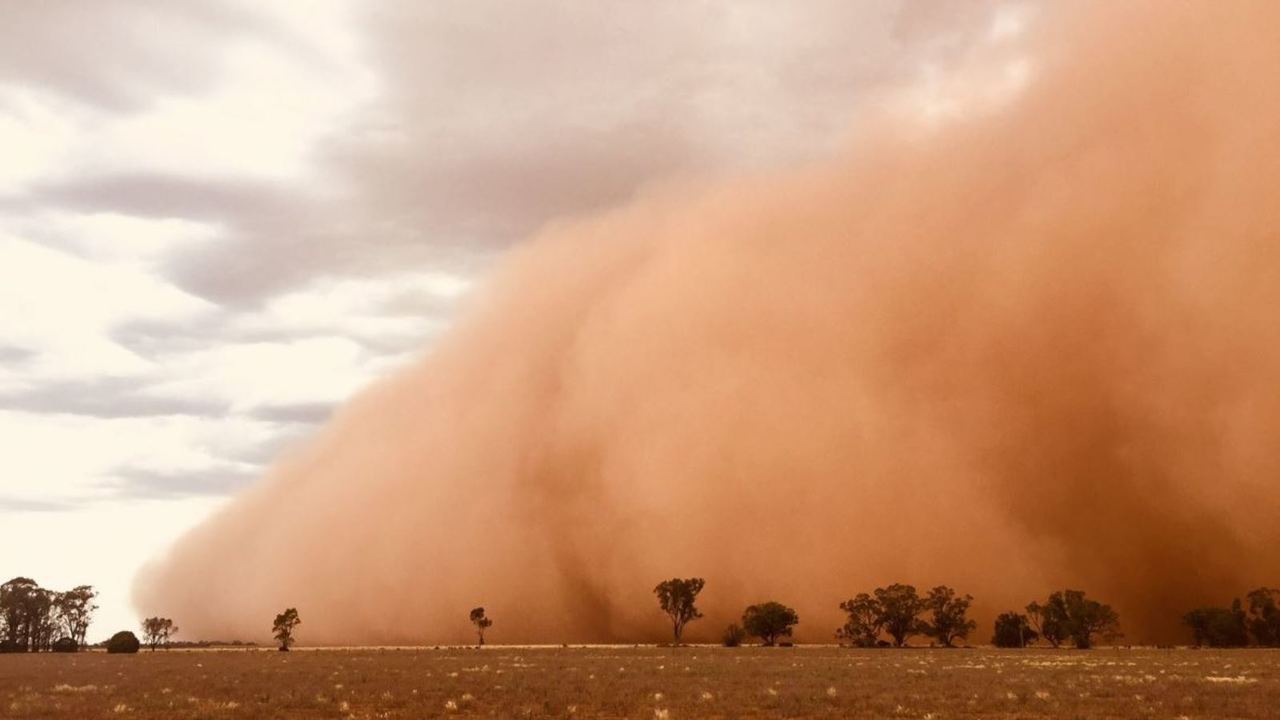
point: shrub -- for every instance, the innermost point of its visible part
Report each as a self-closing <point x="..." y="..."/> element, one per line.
<point x="123" y="642"/>
<point x="733" y="635"/>
<point x="65" y="645"/>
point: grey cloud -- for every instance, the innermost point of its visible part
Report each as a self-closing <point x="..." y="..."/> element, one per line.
<point x="133" y="482"/>
<point x="12" y="354"/>
<point x="105" y="398"/>
<point x="12" y="503"/>
<point x="113" y="54"/>
<point x="305" y="413"/>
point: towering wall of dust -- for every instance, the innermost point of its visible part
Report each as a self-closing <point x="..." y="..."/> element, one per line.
<point x="1030" y="346"/>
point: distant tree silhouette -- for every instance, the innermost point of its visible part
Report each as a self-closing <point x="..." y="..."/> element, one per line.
<point x="1264" y="616"/>
<point x="948" y="615"/>
<point x="123" y="642"/>
<point x="769" y="621"/>
<point x="481" y="622"/>
<point x="900" y="607"/>
<point x="1219" y="627"/>
<point x="157" y="631"/>
<point x="1013" y="631"/>
<point x="282" y="628"/>
<point x="733" y="635"/>
<point x="865" y="622"/>
<point x="1070" y="614"/>
<point x="677" y="598"/>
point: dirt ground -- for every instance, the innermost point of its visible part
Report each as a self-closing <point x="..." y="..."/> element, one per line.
<point x="644" y="682"/>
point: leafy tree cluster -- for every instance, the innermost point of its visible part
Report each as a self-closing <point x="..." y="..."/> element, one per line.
<point x="900" y="612"/>
<point x="35" y="619"/>
<point x="1236" y="626"/>
<point x="1068" y="615"/>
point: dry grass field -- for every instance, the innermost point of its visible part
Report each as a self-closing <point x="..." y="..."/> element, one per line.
<point x="645" y="682"/>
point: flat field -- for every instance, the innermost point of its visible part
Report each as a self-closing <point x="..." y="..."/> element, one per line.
<point x="645" y="682"/>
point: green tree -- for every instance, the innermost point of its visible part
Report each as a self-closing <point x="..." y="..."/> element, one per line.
<point x="865" y="621"/>
<point x="677" y="598"/>
<point x="1013" y="631"/>
<point x="769" y="621"/>
<point x="282" y="628"/>
<point x="481" y="622"/>
<point x="900" y="607"/>
<point x="948" y="615"/>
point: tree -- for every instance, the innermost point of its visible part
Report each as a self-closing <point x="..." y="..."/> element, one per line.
<point x="282" y="628"/>
<point x="769" y="621"/>
<point x="75" y="609"/>
<point x="1047" y="626"/>
<point x="866" y="620"/>
<point x="1264" y="616"/>
<point x="948" y="620"/>
<point x="676" y="597"/>
<point x="123" y="642"/>
<point x="1013" y="631"/>
<point x="900" y="605"/>
<point x="1070" y="614"/>
<point x="157" y="631"/>
<point x="481" y="622"/>
<point x="1218" y="627"/>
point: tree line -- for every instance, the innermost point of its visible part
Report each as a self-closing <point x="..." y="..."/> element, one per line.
<point x="1239" y="625"/>
<point x="36" y="619"/>
<point x="890" y="616"/>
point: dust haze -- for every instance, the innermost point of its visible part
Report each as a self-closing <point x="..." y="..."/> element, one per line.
<point x="1021" y="334"/>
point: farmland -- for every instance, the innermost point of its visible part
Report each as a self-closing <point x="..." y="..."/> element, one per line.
<point x="644" y="682"/>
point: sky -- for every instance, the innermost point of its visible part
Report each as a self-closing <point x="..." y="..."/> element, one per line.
<point x="218" y="220"/>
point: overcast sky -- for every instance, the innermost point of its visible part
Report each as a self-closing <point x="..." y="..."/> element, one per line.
<point x="219" y="219"/>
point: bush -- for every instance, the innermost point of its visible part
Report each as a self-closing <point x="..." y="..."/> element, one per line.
<point x="11" y="647"/>
<point x="65" y="645"/>
<point x="733" y="636"/>
<point x="123" y="642"/>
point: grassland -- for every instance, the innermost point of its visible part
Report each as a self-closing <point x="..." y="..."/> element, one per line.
<point x="645" y="682"/>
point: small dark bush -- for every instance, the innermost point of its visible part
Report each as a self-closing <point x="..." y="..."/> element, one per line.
<point x="123" y="642"/>
<point x="733" y="636"/>
<point x="11" y="647"/>
<point x="65" y="645"/>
